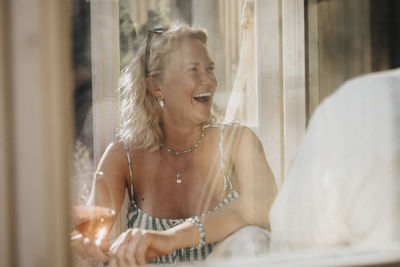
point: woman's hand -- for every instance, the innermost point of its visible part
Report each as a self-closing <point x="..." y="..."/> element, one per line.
<point x="136" y="246"/>
<point x="89" y="241"/>
<point x="86" y="252"/>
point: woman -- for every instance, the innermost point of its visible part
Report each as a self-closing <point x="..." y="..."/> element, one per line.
<point x="208" y="180"/>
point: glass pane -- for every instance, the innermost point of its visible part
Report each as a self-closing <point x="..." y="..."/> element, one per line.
<point x="230" y="27"/>
<point x="342" y="39"/>
<point x="82" y="70"/>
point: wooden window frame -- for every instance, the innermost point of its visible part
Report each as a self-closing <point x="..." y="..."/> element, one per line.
<point x="36" y="90"/>
<point x="280" y="57"/>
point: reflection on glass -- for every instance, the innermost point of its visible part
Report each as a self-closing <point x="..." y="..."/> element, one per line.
<point x="337" y="54"/>
<point x="196" y="49"/>
<point x="90" y="219"/>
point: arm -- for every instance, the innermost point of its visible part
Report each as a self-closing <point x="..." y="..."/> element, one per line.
<point x="108" y="191"/>
<point x="257" y="188"/>
<point x="254" y="181"/>
<point x="93" y="222"/>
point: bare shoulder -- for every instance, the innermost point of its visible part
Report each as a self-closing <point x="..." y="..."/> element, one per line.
<point x="240" y="137"/>
<point x="237" y="130"/>
<point x="115" y="154"/>
<point x="114" y="168"/>
<point x="116" y="149"/>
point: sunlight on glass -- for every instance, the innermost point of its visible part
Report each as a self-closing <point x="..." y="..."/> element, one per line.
<point x="154" y="132"/>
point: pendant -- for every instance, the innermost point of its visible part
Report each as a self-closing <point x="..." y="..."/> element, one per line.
<point x="178" y="178"/>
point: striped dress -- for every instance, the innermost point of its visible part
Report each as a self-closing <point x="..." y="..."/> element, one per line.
<point x="137" y="218"/>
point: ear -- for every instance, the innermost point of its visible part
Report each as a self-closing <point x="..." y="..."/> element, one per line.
<point x="154" y="88"/>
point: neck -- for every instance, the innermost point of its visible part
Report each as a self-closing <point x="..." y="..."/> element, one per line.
<point x="179" y="138"/>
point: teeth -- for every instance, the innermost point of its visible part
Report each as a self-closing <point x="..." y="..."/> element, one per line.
<point x="203" y="94"/>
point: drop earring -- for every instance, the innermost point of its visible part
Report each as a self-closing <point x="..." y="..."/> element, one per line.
<point x="161" y="102"/>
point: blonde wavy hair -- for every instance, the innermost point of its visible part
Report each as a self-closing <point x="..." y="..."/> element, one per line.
<point x="141" y="125"/>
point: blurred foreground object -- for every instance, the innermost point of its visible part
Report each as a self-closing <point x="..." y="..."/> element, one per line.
<point x="249" y="241"/>
<point x="344" y="184"/>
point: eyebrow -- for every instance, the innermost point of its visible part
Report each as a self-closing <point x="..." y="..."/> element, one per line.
<point x="211" y="63"/>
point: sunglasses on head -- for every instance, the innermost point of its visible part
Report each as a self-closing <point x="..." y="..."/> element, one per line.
<point x="148" y="42"/>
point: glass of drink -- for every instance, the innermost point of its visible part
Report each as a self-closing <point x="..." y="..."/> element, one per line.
<point x="92" y="211"/>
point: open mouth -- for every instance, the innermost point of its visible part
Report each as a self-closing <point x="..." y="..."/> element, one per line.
<point x="203" y="98"/>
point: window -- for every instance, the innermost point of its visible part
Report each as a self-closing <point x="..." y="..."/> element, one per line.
<point x="276" y="60"/>
<point x="303" y="50"/>
<point x="251" y="89"/>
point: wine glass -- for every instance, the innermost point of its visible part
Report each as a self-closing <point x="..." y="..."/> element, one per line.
<point x="93" y="212"/>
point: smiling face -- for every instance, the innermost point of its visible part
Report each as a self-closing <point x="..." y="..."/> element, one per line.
<point x="188" y="84"/>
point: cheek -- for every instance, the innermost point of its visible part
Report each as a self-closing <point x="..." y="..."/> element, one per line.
<point x="214" y="87"/>
<point x="214" y="79"/>
<point x="178" y="96"/>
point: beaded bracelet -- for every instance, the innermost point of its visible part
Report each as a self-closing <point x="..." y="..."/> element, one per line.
<point x="196" y="222"/>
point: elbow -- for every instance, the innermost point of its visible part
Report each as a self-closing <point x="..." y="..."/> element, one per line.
<point x="254" y="212"/>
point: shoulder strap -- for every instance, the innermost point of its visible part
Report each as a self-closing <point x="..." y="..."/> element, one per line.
<point x="221" y="156"/>
<point x="130" y="186"/>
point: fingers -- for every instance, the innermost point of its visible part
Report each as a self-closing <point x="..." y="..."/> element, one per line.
<point x="134" y="246"/>
<point x="94" y="250"/>
<point x="117" y="253"/>
<point x="124" y="250"/>
<point x="77" y="247"/>
<point x="85" y="250"/>
<point x="141" y="250"/>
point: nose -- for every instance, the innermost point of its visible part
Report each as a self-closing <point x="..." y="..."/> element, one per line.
<point x="207" y="78"/>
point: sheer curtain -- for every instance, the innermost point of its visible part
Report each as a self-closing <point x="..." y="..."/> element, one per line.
<point x="242" y="104"/>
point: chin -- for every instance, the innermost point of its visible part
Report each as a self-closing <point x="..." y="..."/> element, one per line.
<point x="204" y="118"/>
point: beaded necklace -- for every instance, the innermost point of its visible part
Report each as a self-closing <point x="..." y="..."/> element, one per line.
<point x="186" y="150"/>
<point x="180" y="172"/>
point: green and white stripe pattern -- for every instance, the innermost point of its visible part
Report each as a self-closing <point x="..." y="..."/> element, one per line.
<point x="137" y="218"/>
